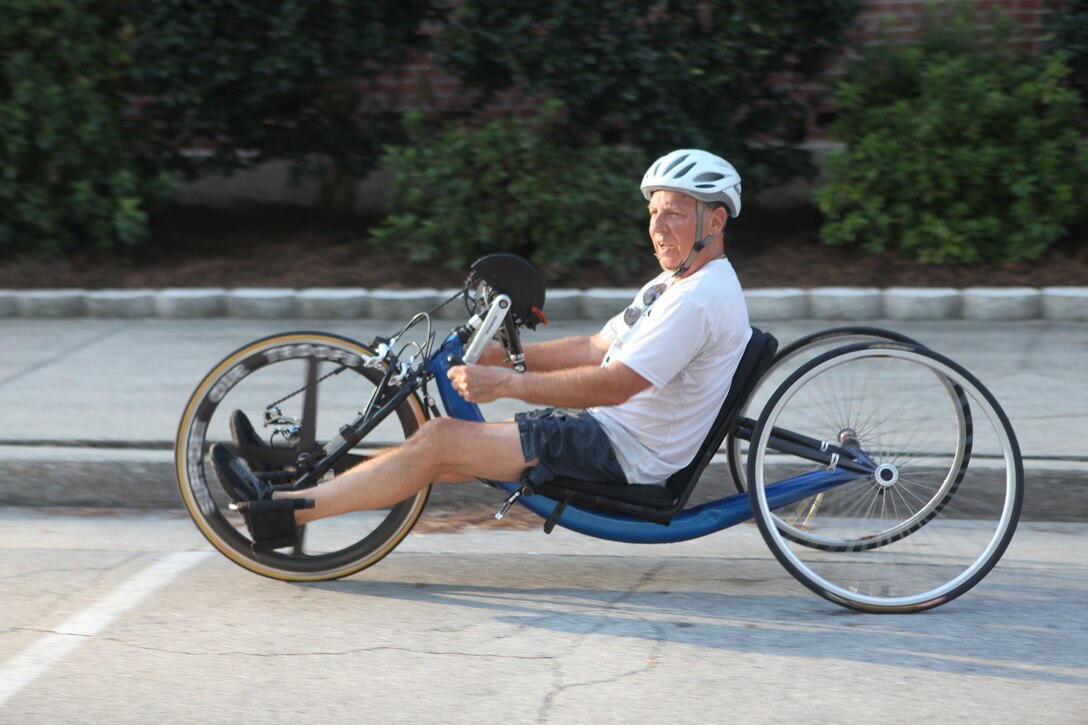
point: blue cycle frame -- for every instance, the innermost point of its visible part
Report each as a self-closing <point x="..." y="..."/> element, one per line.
<point x="690" y="523"/>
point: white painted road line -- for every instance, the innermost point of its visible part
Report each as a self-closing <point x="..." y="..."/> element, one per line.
<point x="55" y="645"/>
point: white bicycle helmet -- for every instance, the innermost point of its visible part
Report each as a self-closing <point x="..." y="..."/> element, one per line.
<point x="703" y="175"/>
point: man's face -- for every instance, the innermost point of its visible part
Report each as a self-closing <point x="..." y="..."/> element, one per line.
<point x="672" y="227"/>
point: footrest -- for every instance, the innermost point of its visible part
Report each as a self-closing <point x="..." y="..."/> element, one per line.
<point x="271" y="522"/>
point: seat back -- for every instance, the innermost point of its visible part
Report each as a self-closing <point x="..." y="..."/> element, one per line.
<point x="757" y="357"/>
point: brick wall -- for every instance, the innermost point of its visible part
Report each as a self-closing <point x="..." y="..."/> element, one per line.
<point x="421" y="85"/>
<point x="905" y="15"/>
<point x="901" y="20"/>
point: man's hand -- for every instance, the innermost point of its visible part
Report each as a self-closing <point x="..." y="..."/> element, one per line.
<point x="479" y="383"/>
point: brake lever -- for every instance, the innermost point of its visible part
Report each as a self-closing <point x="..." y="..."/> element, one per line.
<point x="511" y="342"/>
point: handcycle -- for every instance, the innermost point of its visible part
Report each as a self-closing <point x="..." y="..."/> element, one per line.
<point x="882" y="475"/>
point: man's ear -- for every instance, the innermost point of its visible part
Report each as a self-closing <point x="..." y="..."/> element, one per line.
<point x="717" y="219"/>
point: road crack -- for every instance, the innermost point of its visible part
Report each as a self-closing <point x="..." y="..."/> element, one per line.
<point x="559" y="687"/>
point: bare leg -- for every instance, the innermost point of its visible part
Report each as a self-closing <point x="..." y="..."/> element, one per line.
<point x="443" y="448"/>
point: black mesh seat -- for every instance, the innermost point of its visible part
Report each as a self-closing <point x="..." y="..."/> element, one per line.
<point x="660" y="503"/>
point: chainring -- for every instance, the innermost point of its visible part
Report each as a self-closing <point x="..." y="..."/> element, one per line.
<point x="513" y="276"/>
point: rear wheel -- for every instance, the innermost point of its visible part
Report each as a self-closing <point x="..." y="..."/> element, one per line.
<point x="297" y="389"/>
<point x="788" y="359"/>
<point x="921" y="528"/>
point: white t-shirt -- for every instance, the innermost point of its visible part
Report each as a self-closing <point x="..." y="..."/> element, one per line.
<point x="687" y="343"/>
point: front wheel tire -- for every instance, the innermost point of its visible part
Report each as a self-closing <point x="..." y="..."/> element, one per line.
<point x="306" y="386"/>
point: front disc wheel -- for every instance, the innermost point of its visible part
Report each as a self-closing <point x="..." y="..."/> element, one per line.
<point x="298" y="390"/>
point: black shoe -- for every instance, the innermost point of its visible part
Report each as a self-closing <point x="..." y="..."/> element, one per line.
<point x="271" y="522"/>
<point x="237" y="480"/>
<point x="249" y="443"/>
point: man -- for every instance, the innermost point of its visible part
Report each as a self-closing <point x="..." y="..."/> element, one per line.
<point x="631" y="403"/>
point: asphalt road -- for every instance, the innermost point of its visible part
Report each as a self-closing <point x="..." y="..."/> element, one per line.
<point x="125" y="616"/>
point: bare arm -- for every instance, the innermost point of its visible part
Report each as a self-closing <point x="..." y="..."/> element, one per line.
<point x="561" y="354"/>
<point x="578" y="387"/>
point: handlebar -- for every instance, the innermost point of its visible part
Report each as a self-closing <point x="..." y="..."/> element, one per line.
<point x="477" y="333"/>
<point x="498" y="321"/>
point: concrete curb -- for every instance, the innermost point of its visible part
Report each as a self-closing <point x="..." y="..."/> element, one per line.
<point x="145" y="479"/>
<point x="1067" y="304"/>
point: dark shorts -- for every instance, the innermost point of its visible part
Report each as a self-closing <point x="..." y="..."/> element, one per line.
<point x="569" y="444"/>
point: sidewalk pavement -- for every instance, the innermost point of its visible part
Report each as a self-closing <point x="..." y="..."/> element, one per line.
<point x="91" y="405"/>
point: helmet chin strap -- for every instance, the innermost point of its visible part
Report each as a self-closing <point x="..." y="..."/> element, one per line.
<point x="699" y="243"/>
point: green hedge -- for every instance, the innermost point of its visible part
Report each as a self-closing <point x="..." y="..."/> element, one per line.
<point x="960" y="148"/>
<point x="660" y="76"/>
<point x="70" y="173"/>
<point x="523" y="186"/>
<point x="100" y="98"/>
<point x="253" y="80"/>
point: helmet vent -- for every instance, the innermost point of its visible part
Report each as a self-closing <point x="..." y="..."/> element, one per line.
<point x="684" y="171"/>
<point x="676" y="162"/>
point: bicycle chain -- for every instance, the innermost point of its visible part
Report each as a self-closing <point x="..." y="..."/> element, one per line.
<point x="275" y="403"/>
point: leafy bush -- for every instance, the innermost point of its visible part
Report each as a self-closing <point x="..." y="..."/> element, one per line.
<point x="1067" y="26"/>
<point x="69" y="176"/>
<point x="516" y="186"/>
<point x="960" y="148"/>
<point x="253" y="80"/>
<point x="659" y="76"/>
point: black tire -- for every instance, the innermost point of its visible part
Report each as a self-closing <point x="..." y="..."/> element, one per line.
<point x="921" y="529"/>
<point x="291" y="369"/>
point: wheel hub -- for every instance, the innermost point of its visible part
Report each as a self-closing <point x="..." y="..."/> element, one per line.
<point x="885" y="475"/>
<point x="848" y="438"/>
